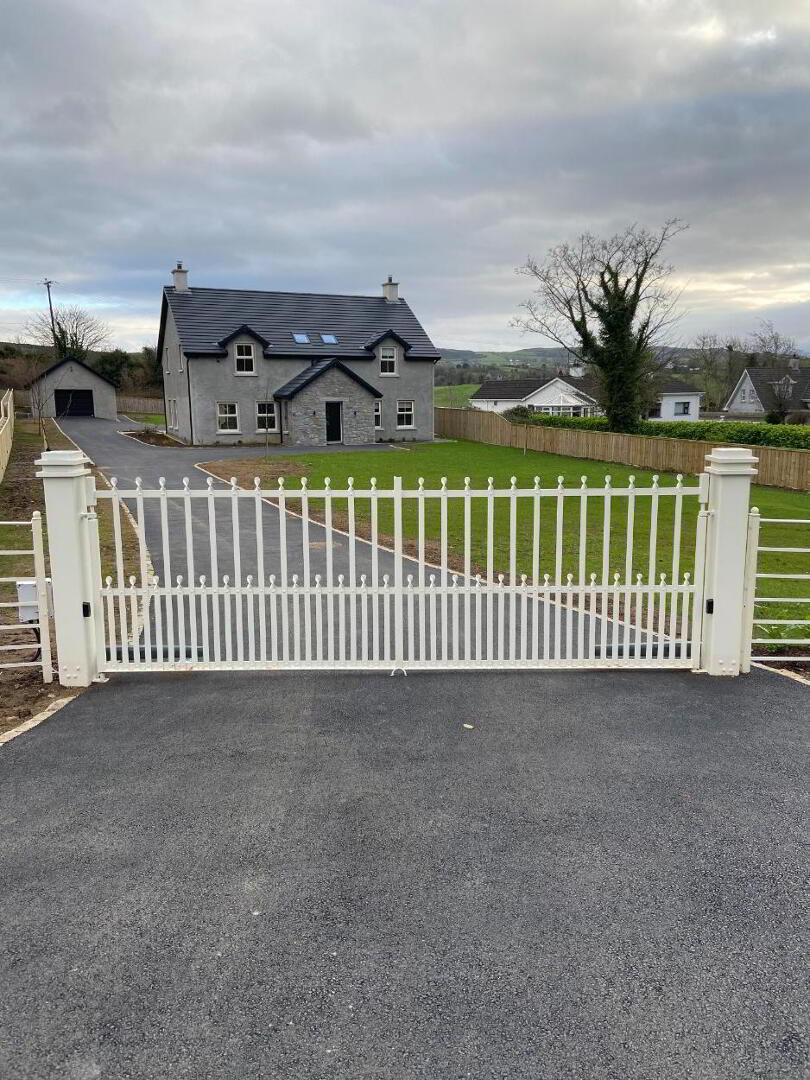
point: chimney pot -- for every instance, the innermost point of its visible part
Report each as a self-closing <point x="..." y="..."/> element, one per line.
<point x="180" y="278"/>
<point x="391" y="290"/>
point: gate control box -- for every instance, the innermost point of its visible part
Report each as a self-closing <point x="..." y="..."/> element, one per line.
<point x="27" y="599"/>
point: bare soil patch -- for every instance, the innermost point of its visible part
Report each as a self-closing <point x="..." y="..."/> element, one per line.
<point x="155" y="438"/>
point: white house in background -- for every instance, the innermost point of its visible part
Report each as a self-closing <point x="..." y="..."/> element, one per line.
<point x="576" y="395"/>
<point x="761" y="390"/>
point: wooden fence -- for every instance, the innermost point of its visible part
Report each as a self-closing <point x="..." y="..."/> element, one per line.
<point x="6" y="429"/>
<point x="777" y="467"/>
<point x="127" y="403"/>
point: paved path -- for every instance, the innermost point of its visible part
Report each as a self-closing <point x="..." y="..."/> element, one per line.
<point x="330" y="876"/>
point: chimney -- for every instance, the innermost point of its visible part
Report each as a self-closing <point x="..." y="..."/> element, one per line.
<point x="391" y="290"/>
<point x="180" y="277"/>
<point x="793" y="362"/>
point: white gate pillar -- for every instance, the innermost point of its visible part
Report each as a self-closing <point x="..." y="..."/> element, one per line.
<point x="730" y="469"/>
<point x="71" y="517"/>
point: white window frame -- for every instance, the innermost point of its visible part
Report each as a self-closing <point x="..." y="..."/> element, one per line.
<point x="394" y="359"/>
<point x="180" y="358"/>
<point x="275" y="428"/>
<point x="228" y="431"/>
<point x="173" y="424"/>
<point x="251" y="355"/>
<point x="378" y="417"/>
<point x="166" y="355"/>
<point x="682" y="412"/>
<point x="400" y="403"/>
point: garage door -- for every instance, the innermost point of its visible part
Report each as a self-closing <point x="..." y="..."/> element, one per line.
<point x="74" y="403"/>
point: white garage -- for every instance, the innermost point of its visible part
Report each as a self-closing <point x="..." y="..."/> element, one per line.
<point x="71" y="388"/>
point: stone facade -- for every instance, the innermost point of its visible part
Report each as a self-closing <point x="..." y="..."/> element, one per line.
<point x="306" y="412"/>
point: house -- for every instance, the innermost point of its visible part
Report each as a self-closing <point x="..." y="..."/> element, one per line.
<point x="242" y="366"/>
<point x="577" y="394"/>
<point x="71" y="388"/>
<point x="762" y="390"/>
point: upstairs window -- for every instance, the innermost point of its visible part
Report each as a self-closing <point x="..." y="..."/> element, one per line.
<point x="329" y="339"/>
<point x="301" y="338"/>
<point x="388" y="360"/>
<point x="244" y="359"/>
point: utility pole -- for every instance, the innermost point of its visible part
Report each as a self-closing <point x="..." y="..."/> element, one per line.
<point x="47" y="283"/>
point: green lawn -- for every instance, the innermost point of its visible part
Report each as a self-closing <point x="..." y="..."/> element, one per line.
<point x="454" y="396"/>
<point x="148" y="418"/>
<point x="479" y="461"/>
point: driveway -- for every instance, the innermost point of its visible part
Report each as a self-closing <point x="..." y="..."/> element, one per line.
<point x="332" y="876"/>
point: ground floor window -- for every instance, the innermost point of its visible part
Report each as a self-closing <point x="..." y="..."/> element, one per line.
<point x="405" y="414"/>
<point x="378" y="413"/>
<point x="171" y="419"/>
<point x="682" y="408"/>
<point x="566" y="410"/>
<point x="266" y="416"/>
<point x="227" y="416"/>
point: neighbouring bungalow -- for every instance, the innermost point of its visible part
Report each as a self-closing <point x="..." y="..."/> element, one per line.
<point x="778" y="389"/>
<point x="576" y="394"/>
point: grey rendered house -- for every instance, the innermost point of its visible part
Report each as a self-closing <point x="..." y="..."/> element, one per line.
<point x="307" y="369"/>
<point x="781" y="388"/>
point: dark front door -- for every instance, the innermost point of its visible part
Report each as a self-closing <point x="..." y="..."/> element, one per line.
<point x="334" y="421"/>
<point x="74" y="402"/>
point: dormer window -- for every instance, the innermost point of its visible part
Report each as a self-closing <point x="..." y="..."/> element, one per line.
<point x="388" y="360"/>
<point x="301" y="338"/>
<point x="245" y="360"/>
<point x="329" y="339"/>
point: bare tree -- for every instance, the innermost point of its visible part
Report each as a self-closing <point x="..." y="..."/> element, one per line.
<point x="76" y="332"/>
<point x="607" y="301"/>
<point x="771" y="345"/>
<point x="720" y="362"/>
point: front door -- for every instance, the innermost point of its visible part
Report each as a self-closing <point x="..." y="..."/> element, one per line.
<point x="334" y="421"/>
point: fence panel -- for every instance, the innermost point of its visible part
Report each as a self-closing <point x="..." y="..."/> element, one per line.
<point x="777" y="467"/>
<point x="6" y="429"/>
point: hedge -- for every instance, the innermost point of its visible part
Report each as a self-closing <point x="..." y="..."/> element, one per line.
<point x="719" y="431"/>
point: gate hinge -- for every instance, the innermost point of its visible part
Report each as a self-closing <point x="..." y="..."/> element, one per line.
<point x="710" y="607"/>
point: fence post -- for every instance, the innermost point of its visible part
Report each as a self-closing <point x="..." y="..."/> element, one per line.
<point x="730" y="469"/>
<point x="69" y="509"/>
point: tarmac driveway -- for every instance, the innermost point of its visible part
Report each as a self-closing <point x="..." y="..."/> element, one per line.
<point x="332" y="876"/>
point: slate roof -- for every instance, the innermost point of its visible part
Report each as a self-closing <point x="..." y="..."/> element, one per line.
<point x="70" y="360"/>
<point x="518" y="389"/>
<point x="764" y="378"/>
<point x="314" y="371"/>
<point x="206" y="317"/>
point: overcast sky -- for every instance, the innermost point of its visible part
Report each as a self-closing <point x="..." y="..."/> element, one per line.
<point x="323" y="144"/>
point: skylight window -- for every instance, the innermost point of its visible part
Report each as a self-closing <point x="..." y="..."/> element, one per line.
<point x="329" y="339"/>
<point x="301" y="339"/>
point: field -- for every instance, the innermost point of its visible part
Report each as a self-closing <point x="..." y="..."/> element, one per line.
<point x="454" y="396"/>
<point x="479" y="461"/>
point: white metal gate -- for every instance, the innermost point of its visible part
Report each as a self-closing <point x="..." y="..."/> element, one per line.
<point x="371" y="578"/>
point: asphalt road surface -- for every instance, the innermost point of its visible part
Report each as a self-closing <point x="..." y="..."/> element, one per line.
<point x="593" y="875"/>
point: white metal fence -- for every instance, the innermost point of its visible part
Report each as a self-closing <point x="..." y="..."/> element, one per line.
<point x="386" y="578"/>
<point x="777" y="622"/>
<point x="6" y="429"/>
<point x="24" y="608"/>
<point x="249" y="593"/>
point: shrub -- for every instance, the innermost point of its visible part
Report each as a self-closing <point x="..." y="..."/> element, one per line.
<point x="717" y="431"/>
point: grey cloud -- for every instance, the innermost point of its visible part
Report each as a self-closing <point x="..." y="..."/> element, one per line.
<point x="324" y="145"/>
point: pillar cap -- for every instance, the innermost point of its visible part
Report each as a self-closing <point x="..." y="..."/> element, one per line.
<point x="731" y="461"/>
<point x="63" y="463"/>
